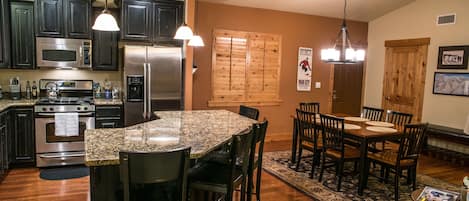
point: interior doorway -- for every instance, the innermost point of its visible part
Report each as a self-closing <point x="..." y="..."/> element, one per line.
<point x="347" y="89"/>
<point x="404" y="76"/>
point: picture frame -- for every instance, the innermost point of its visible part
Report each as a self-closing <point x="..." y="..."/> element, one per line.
<point x="434" y="194"/>
<point x="453" y="57"/>
<point x="451" y="83"/>
<point x="304" y="69"/>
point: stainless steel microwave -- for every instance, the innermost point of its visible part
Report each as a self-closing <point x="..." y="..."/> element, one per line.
<point x="63" y="53"/>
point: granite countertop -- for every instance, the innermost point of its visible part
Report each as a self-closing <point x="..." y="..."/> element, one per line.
<point x="6" y="103"/>
<point x="108" y="102"/>
<point x="202" y="130"/>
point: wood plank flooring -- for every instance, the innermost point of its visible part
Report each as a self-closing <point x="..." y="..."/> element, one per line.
<point x="25" y="184"/>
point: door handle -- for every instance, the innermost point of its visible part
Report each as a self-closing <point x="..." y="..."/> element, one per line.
<point x="149" y="91"/>
<point x="145" y="90"/>
<point x="387" y="98"/>
<point x="334" y="94"/>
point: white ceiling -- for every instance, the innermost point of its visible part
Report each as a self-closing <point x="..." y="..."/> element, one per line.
<point x="360" y="10"/>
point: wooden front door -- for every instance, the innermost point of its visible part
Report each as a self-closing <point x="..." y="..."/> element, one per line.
<point x="347" y="92"/>
<point x="404" y="76"/>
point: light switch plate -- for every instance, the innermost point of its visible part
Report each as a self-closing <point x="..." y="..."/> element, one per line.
<point x="317" y="85"/>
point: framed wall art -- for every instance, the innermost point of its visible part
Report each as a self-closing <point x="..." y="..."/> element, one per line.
<point x="455" y="84"/>
<point x="453" y="57"/>
<point x="305" y="69"/>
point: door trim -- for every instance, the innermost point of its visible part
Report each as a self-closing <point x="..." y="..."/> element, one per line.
<point x="407" y="42"/>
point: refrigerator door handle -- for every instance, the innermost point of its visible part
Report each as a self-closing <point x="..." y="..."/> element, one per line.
<point x="145" y="91"/>
<point x="149" y="91"/>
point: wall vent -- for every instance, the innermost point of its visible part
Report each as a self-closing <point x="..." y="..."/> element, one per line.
<point x="446" y="19"/>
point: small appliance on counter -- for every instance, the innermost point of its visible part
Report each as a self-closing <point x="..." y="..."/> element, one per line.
<point x="1" y="92"/>
<point x="15" y="88"/>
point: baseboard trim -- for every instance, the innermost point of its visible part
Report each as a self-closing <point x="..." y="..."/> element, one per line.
<point x="278" y="137"/>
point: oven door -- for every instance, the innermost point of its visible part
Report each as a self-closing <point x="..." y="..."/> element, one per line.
<point x="48" y="142"/>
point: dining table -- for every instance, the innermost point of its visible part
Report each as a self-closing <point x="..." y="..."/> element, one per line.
<point x="363" y="136"/>
<point x="202" y="130"/>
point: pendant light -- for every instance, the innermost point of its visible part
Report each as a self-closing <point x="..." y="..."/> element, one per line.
<point x="343" y="54"/>
<point x="184" y="32"/>
<point x="105" y="21"/>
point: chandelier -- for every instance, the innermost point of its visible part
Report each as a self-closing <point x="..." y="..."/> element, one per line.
<point x="342" y="51"/>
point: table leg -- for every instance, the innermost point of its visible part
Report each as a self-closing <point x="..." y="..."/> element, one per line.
<point x="294" y="141"/>
<point x="364" y="170"/>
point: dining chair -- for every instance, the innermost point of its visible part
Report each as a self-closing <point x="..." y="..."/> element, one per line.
<point x="255" y="160"/>
<point x="405" y="158"/>
<point x="309" y="138"/>
<point x="334" y="147"/>
<point x="154" y="175"/>
<point x="249" y="112"/>
<point x="398" y="118"/>
<point x="373" y="114"/>
<point x="223" y="178"/>
<point x="310" y="107"/>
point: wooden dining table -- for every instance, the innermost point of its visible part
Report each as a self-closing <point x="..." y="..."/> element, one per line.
<point x="363" y="136"/>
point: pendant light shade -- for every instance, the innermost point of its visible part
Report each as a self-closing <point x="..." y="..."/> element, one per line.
<point x="342" y="51"/>
<point x="196" y="41"/>
<point x="105" y="22"/>
<point x="184" y="32"/>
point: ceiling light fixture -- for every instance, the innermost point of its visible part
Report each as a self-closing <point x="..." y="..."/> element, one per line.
<point x="196" y="41"/>
<point x="105" y="21"/>
<point x="343" y="53"/>
<point x="184" y="32"/>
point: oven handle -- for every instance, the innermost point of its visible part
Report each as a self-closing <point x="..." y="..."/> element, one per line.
<point x="53" y="114"/>
<point x="61" y="156"/>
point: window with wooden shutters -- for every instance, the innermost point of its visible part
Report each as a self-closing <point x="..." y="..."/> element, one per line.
<point x="245" y="68"/>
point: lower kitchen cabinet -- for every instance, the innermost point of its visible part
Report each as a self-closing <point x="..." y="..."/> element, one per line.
<point x="4" y="123"/>
<point x="109" y="116"/>
<point x="23" y="146"/>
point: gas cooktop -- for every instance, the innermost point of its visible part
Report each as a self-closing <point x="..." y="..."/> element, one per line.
<point x="66" y="101"/>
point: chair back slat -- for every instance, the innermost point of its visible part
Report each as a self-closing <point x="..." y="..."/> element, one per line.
<point x="373" y="114"/>
<point x="258" y="141"/>
<point x="332" y="133"/>
<point x="412" y="142"/>
<point x="249" y="112"/>
<point x="398" y="118"/>
<point x="307" y="126"/>
<point x="310" y="107"/>
<point x="241" y="150"/>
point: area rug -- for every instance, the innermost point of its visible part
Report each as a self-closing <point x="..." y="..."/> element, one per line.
<point x="61" y="173"/>
<point x="279" y="165"/>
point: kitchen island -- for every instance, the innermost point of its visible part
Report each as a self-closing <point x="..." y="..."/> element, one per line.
<point x="202" y="130"/>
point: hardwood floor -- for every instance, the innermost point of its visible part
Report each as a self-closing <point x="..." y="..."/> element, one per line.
<point x="25" y="184"/>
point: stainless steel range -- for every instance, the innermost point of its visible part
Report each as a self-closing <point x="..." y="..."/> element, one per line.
<point x="59" y="98"/>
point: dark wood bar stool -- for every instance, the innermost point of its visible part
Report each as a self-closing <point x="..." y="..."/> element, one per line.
<point x="310" y="107"/>
<point x="255" y="160"/>
<point x="308" y="131"/>
<point x="373" y="114"/>
<point x="154" y="176"/>
<point x="249" y="112"/>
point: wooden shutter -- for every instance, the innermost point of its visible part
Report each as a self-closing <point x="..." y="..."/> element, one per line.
<point x="245" y="68"/>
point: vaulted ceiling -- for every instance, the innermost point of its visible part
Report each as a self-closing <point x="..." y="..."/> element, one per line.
<point x="360" y="10"/>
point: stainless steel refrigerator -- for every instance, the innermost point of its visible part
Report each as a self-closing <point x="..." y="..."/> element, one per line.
<point x="152" y="80"/>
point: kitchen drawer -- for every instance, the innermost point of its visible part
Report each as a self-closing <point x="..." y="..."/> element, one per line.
<point x="109" y="111"/>
<point x="109" y="123"/>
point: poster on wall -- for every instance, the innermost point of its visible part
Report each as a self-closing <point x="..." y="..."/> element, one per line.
<point x="305" y="69"/>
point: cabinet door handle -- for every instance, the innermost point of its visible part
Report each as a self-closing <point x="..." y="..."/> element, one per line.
<point x="108" y="124"/>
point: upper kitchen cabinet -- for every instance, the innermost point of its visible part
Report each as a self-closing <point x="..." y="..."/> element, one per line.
<point x="49" y="20"/>
<point x="22" y="35"/>
<point x="63" y="18"/>
<point x="4" y="35"/>
<point x="159" y="20"/>
<point x="136" y="20"/>
<point x="105" y="50"/>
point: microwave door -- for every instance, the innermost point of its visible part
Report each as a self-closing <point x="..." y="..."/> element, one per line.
<point x="59" y="56"/>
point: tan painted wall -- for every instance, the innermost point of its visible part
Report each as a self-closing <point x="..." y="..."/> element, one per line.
<point x="297" y="30"/>
<point x="97" y="76"/>
<point x="418" y="20"/>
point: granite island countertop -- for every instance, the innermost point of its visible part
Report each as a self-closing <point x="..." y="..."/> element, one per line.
<point x="6" y="103"/>
<point x="202" y="130"/>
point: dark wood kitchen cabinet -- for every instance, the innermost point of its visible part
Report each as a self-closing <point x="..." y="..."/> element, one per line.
<point x="22" y="140"/>
<point x="109" y="116"/>
<point x="4" y="131"/>
<point x="22" y="35"/>
<point x="63" y="18"/>
<point x="159" y="20"/>
<point x="4" y="35"/>
<point x="105" y="50"/>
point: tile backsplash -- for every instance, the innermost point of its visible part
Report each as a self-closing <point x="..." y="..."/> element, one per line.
<point x="24" y="75"/>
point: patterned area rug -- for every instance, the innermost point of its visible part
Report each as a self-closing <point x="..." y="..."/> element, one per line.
<point x="279" y="164"/>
